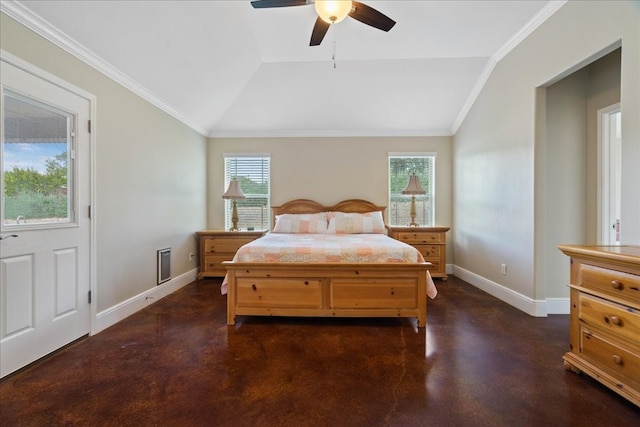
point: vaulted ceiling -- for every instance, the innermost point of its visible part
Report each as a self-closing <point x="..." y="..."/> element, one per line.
<point x="227" y="69"/>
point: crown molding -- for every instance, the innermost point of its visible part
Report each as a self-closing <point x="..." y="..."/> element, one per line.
<point x="327" y="133"/>
<point x="545" y="13"/>
<point x="473" y="95"/>
<point x="41" y="27"/>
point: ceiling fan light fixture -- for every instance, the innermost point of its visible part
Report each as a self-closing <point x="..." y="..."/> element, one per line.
<point x="333" y="11"/>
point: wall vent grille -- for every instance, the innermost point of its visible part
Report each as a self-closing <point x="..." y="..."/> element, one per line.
<point x="164" y="265"/>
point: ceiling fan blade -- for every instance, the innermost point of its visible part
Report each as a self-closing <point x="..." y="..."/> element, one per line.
<point x="370" y="16"/>
<point x="259" y="4"/>
<point x="319" y="30"/>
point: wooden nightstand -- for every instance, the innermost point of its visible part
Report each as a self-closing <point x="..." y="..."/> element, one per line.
<point x="219" y="246"/>
<point x="430" y="241"/>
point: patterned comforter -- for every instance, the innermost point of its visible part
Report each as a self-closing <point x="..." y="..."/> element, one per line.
<point x="347" y="248"/>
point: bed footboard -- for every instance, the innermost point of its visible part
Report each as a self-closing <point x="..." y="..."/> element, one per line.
<point x="327" y="290"/>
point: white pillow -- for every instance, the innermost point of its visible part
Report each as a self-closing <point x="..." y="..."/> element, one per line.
<point x="356" y="223"/>
<point x="301" y="223"/>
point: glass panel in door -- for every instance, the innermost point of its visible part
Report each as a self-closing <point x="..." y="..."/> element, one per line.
<point x="36" y="160"/>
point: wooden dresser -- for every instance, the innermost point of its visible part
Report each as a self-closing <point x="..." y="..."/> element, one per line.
<point x="605" y="316"/>
<point x="430" y="241"/>
<point x="219" y="246"/>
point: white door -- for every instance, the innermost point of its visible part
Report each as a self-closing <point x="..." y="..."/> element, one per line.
<point x="609" y="174"/>
<point x="45" y="231"/>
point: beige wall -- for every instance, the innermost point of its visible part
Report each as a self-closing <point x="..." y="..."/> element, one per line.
<point x="329" y="170"/>
<point x="150" y="168"/>
<point x="497" y="184"/>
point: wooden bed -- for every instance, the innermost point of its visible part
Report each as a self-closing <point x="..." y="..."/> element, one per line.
<point x="327" y="289"/>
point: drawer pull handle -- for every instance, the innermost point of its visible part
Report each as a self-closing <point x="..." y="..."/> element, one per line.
<point x="617" y="359"/>
<point x="254" y="287"/>
<point x="616" y="284"/>
<point x="616" y="320"/>
<point x="306" y="282"/>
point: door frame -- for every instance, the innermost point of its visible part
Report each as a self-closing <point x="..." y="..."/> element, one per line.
<point x="55" y="80"/>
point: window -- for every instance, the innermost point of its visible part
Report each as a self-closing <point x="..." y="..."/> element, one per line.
<point x="36" y="163"/>
<point x="401" y="166"/>
<point x="253" y="172"/>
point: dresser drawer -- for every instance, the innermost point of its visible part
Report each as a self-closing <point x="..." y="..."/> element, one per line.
<point x="420" y="237"/>
<point x="610" y="355"/>
<point x="620" y="320"/>
<point x="280" y="293"/>
<point x="224" y="244"/>
<point x="611" y="282"/>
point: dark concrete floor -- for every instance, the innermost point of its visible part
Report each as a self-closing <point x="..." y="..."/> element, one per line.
<point x="176" y="363"/>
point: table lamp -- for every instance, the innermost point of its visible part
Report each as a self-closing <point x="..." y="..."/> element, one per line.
<point x="234" y="192"/>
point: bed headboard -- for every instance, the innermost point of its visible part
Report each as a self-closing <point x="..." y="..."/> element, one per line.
<point x="306" y="206"/>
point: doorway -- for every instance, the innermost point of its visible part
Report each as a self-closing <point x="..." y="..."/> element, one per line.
<point x="567" y="165"/>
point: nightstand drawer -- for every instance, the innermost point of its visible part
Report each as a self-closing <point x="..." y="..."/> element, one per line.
<point x="431" y="242"/>
<point x="420" y="237"/>
<point x="611" y="282"/>
<point x="429" y="250"/>
<point x="214" y="262"/>
<point x="435" y="265"/>
<point x="224" y="245"/>
<point x="217" y="246"/>
<point x="618" y="319"/>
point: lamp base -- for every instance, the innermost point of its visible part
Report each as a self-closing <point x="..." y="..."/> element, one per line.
<point x="413" y="212"/>
<point x="234" y="217"/>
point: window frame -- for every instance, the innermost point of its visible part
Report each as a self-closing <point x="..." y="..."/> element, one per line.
<point x="243" y="205"/>
<point x="425" y="204"/>
<point x="70" y="191"/>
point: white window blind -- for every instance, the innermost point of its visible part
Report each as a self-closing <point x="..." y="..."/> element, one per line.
<point x="401" y="166"/>
<point x="254" y="173"/>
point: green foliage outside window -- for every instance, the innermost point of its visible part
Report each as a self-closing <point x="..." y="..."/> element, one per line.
<point x="30" y="194"/>
<point x="402" y="167"/>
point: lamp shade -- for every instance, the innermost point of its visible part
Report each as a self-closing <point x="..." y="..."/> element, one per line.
<point x="333" y="11"/>
<point x="413" y="186"/>
<point x="234" y="192"/>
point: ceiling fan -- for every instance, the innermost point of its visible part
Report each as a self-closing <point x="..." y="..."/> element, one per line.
<point x="332" y="12"/>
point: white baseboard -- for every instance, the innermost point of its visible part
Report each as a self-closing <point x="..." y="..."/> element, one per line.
<point x="116" y="313"/>
<point x="558" y="305"/>
<point x="536" y="308"/>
